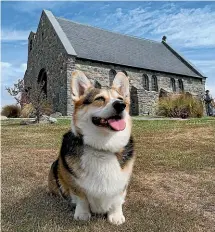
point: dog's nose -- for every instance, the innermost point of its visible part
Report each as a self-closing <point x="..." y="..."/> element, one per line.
<point x="119" y="106"/>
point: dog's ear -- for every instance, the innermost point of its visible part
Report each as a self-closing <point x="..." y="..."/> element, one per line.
<point x="79" y="84"/>
<point x="121" y="84"/>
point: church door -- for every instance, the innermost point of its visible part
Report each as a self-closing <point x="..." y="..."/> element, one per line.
<point x="134" y="107"/>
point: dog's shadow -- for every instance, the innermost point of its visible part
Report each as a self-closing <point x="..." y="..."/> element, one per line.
<point x="38" y="210"/>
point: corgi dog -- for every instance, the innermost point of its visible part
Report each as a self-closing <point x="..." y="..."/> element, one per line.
<point x="96" y="156"/>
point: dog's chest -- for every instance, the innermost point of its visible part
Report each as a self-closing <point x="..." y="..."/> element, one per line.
<point x="102" y="174"/>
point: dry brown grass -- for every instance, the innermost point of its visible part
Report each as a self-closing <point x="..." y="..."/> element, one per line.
<point x="172" y="189"/>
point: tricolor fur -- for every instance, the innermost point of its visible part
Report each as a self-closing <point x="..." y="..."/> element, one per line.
<point x="96" y="157"/>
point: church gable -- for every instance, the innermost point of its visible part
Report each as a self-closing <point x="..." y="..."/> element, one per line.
<point x="47" y="54"/>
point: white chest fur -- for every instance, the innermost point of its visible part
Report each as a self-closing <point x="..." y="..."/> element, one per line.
<point x="102" y="178"/>
<point x="102" y="174"/>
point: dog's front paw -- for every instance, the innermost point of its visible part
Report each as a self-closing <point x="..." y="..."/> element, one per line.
<point x="84" y="216"/>
<point x="116" y="218"/>
<point x="82" y="211"/>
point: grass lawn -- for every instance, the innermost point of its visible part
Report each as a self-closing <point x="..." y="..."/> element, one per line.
<point x="172" y="188"/>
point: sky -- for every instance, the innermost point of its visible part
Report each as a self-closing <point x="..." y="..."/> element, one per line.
<point x="189" y="27"/>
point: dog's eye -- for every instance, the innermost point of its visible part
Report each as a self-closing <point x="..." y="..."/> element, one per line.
<point x="120" y="98"/>
<point x="100" y="99"/>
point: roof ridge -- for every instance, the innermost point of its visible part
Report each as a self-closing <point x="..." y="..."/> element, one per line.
<point x="60" y="33"/>
<point x="183" y="59"/>
<point x="118" y="33"/>
<point x="152" y="55"/>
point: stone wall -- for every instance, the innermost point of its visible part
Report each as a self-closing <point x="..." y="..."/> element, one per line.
<point x="142" y="101"/>
<point x="47" y="52"/>
<point x="70" y="69"/>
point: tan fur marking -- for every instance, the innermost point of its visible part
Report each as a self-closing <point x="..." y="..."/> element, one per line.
<point x="128" y="166"/>
<point x="67" y="179"/>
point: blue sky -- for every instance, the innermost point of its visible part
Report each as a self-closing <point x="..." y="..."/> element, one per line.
<point x="189" y="27"/>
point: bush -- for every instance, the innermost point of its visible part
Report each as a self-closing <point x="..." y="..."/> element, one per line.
<point x="46" y="109"/>
<point x="180" y="106"/>
<point x="11" y="111"/>
<point x="28" y="111"/>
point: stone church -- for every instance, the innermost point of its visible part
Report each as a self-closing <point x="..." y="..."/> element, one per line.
<point x="59" y="46"/>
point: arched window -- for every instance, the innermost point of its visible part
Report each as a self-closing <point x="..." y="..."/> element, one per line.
<point x="145" y="82"/>
<point x="173" y="85"/>
<point x="112" y="74"/>
<point x="154" y="83"/>
<point x="180" y="85"/>
<point x="42" y="79"/>
<point x="97" y="85"/>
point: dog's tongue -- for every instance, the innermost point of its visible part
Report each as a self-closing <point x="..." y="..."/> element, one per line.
<point x="117" y="125"/>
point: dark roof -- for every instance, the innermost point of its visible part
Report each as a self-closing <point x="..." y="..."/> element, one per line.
<point x="100" y="45"/>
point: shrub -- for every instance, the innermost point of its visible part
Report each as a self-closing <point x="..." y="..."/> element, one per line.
<point x="180" y="106"/>
<point x="46" y="109"/>
<point x="11" y="111"/>
<point x="28" y="111"/>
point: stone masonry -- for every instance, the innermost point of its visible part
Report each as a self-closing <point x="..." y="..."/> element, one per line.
<point x="145" y="100"/>
<point x="46" y="51"/>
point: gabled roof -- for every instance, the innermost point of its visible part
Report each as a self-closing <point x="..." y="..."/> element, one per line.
<point x="87" y="42"/>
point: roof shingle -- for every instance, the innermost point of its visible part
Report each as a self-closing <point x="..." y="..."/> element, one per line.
<point x="100" y="45"/>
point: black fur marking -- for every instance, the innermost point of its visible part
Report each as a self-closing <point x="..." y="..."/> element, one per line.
<point x="55" y="172"/>
<point x="71" y="146"/>
<point x="55" y="167"/>
<point x="90" y="96"/>
<point x="127" y="153"/>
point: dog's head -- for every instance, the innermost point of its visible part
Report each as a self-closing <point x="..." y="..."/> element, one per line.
<point x="101" y="115"/>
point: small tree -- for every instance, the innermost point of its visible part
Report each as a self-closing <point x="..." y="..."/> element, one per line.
<point x="17" y="91"/>
<point x="33" y="94"/>
<point x="37" y="98"/>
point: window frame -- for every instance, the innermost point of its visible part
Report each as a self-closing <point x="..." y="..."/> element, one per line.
<point x="173" y="85"/>
<point x="154" y="83"/>
<point x="180" y="85"/>
<point x="145" y="81"/>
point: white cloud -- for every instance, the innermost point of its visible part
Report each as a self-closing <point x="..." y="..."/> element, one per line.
<point x="10" y="73"/>
<point x="14" y="35"/>
<point x="190" y="27"/>
<point x="206" y="66"/>
<point x="23" y="66"/>
<point x="186" y="27"/>
<point x="5" y="65"/>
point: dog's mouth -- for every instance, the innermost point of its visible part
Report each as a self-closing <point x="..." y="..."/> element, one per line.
<point x="116" y="123"/>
